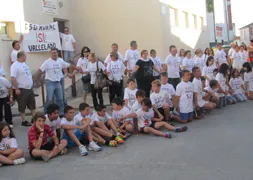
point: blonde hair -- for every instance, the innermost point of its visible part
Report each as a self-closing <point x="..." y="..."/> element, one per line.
<point x="157" y="82"/>
<point x="114" y="54"/>
<point x="198" y="51"/>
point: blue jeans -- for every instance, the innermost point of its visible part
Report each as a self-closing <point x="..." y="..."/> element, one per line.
<point x="240" y="97"/>
<point x="222" y="102"/>
<point x="231" y="100"/>
<point x="54" y="88"/>
<point x="68" y="55"/>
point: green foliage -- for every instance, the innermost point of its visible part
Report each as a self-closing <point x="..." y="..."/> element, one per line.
<point x="209" y="6"/>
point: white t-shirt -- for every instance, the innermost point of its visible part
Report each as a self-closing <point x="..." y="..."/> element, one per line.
<point x="67" y="40"/>
<point x="189" y="63"/>
<point x="197" y="84"/>
<point x="173" y="64"/>
<point x="222" y="81"/>
<point x="53" y="69"/>
<point x="236" y="84"/>
<point x="14" y="55"/>
<point x="8" y="143"/>
<point x="199" y="62"/>
<point x="108" y="58"/>
<point x="132" y="56"/>
<point x="221" y="57"/>
<point x="168" y="88"/>
<point x="230" y="52"/>
<point x="92" y="68"/>
<point x="2" y="72"/>
<point x="123" y="112"/>
<point x="244" y="56"/>
<point x="78" y="119"/>
<point x="211" y="90"/>
<point x="236" y="60"/>
<point x="64" y="121"/>
<point x="96" y="117"/>
<point x="185" y="91"/>
<point x="144" y="118"/>
<point x="55" y="124"/>
<point x="136" y="107"/>
<point x="116" y="68"/>
<point x="83" y="64"/>
<point x="208" y="72"/>
<point x="158" y="64"/>
<point x="5" y="85"/>
<point x="130" y="95"/>
<point x="248" y="77"/>
<point x="22" y="73"/>
<point x="159" y="99"/>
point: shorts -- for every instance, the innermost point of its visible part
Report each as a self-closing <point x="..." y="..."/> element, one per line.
<point x="26" y="99"/>
<point x="79" y="135"/>
<point x="141" y="130"/>
<point x="161" y="110"/>
<point x="49" y="146"/>
<point x="85" y="87"/>
<point x="68" y="55"/>
<point x="186" y="116"/>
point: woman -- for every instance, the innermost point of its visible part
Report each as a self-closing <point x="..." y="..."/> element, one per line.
<point x="208" y="70"/>
<point x="243" y="55"/>
<point x="188" y="63"/>
<point x="199" y="60"/>
<point x="181" y="56"/>
<point x="157" y="62"/>
<point x="115" y="70"/>
<point x="144" y="72"/>
<point x="206" y="54"/>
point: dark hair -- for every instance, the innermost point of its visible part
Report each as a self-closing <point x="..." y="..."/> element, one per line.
<point x="118" y="101"/>
<point x="115" y="44"/>
<point x="184" y="72"/>
<point x="233" y="72"/>
<point x="14" y="43"/>
<point x="247" y="66"/>
<point x="224" y="69"/>
<point x="164" y="74"/>
<point x="83" y="106"/>
<point x="39" y="115"/>
<point x="194" y="69"/>
<point x="132" y="43"/>
<point x="202" y="78"/>
<point x="186" y="52"/>
<point x="209" y="59"/>
<point x="20" y="54"/>
<point x="53" y="49"/>
<point x="147" y="102"/>
<point x="143" y="51"/>
<point x="215" y="70"/>
<point x="152" y="51"/>
<point x="100" y="107"/>
<point x="251" y="40"/>
<point x="140" y="93"/>
<point x="85" y="48"/>
<point x="2" y="125"/>
<point x="172" y="46"/>
<point x="213" y="83"/>
<point x="67" y="108"/>
<point x="205" y="51"/>
<point x="219" y="44"/>
<point x="180" y="52"/>
<point x="66" y="28"/>
<point x="52" y="108"/>
<point x="130" y="80"/>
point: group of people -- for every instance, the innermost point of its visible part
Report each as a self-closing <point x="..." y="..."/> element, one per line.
<point x="181" y="88"/>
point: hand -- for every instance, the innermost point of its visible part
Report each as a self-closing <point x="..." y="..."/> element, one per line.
<point x="21" y="37"/>
<point x="197" y="106"/>
<point x="17" y="91"/>
<point x="40" y="128"/>
<point x="11" y="100"/>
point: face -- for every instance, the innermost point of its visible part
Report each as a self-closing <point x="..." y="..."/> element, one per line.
<point x="210" y="63"/>
<point x="17" y="46"/>
<point x="115" y="48"/>
<point x="134" y="46"/>
<point x="40" y="122"/>
<point x="131" y="85"/>
<point x="237" y="49"/>
<point x="54" y="54"/>
<point x="200" y="54"/>
<point x="203" y="84"/>
<point x="236" y="73"/>
<point x="70" y="114"/>
<point x="241" y="49"/>
<point x="90" y="58"/>
<point x="153" y="54"/>
<point x="187" y="77"/>
<point x="85" y="112"/>
<point x="6" y="131"/>
<point x="139" y="99"/>
<point x="102" y="112"/>
<point x="182" y="53"/>
<point x="251" y="43"/>
<point x="66" y="31"/>
<point x="197" y="73"/>
<point x="115" y="107"/>
<point x="155" y="88"/>
<point x="233" y="45"/>
<point x="145" y="55"/>
<point x="54" y="115"/>
<point x="23" y="58"/>
<point x="219" y="46"/>
<point x="173" y="51"/>
<point x="245" y="69"/>
<point x="114" y="58"/>
<point x="164" y="79"/>
<point x="144" y="107"/>
<point x="188" y="55"/>
<point x="210" y="52"/>
<point x="86" y="53"/>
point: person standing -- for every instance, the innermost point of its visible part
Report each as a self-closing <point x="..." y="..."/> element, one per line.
<point x="68" y="45"/>
<point x="22" y="82"/>
<point x="157" y="62"/>
<point x="188" y="63"/>
<point x="115" y="49"/>
<point x="132" y="56"/>
<point x="16" y="48"/>
<point x="220" y="56"/>
<point x="250" y="53"/>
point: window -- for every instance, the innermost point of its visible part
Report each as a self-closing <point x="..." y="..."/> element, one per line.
<point x="186" y="19"/>
<point x="201" y="22"/>
<point x="7" y="30"/>
<point x="3" y="28"/>
<point x="173" y="17"/>
<point x="194" y="21"/>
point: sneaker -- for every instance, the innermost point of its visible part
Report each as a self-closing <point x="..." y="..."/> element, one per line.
<point x="167" y="135"/>
<point x="1" y="165"/>
<point x="83" y="150"/>
<point x="19" y="161"/>
<point x="113" y="143"/>
<point x="181" y="129"/>
<point x="45" y="158"/>
<point x="25" y="123"/>
<point x="94" y="147"/>
<point x="119" y="140"/>
<point x="64" y="151"/>
<point x="11" y="126"/>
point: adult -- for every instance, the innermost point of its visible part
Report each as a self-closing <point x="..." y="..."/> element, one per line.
<point x="243" y="55"/>
<point x="68" y="45"/>
<point x="22" y="82"/>
<point x="220" y="55"/>
<point x="53" y="74"/>
<point x="181" y="57"/>
<point x="231" y="51"/>
<point x="199" y="59"/>
<point x="144" y="72"/>
<point x="171" y="65"/>
<point x="157" y="62"/>
<point x="250" y="53"/>
<point x="132" y="56"/>
<point x="16" y="48"/>
<point x="188" y="62"/>
<point x="115" y="49"/>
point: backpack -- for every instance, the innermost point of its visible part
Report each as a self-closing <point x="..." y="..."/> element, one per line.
<point x="101" y="79"/>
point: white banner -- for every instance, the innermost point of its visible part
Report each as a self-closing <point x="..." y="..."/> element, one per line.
<point x="39" y="38"/>
<point x="49" y="7"/>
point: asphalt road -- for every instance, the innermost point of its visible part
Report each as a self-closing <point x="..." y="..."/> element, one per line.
<point x="219" y="147"/>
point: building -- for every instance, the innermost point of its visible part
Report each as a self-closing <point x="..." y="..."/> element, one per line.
<point x="152" y="23"/>
<point x="246" y="33"/>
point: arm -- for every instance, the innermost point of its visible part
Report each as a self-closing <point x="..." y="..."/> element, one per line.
<point x="8" y="152"/>
<point x="58" y="133"/>
<point x="11" y="95"/>
<point x="15" y="84"/>
<point x="246" y="87"/>
<point x="155" y="68"/>
<point x="195" y="100"/>
<point x="135" y="69"/>
<point x="159" y="115"/>
<point x="55" y="140"/>
<point x="38" y="73"/>
<point x="133" y="115"/>
<point x="21" y="39"/>
<point x="37" y="144"/>
<point x="164" y="67"/>
<point x="176" y="101"/>
<point x="70" y="127"/>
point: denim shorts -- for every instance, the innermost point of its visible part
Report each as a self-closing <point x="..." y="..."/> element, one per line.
<point x="186" y="116"/>
<point x="68" y="55"/>
<point x="86" y="87"/>
<point x="78" y="134"/>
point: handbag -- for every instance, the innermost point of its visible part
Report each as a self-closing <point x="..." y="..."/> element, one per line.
<point x="101" y="79"/>
<point x="86" y="79"/>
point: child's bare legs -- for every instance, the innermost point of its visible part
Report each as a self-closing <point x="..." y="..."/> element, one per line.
<point x="98" y="138"/>
<point x="158" y="125"/>
<point x="57" y="150"/>
<point x="113" y="125"/>
<point x="89" y="134"/>
<point x="153" y="131"/>
<point x="129" y="128"/>
<point x="103" y="132"/>
<point x="72" y="135"/>
<point x="250" y="96"/>
<point x="209" y="106"/>
<point x="40" y="153"/>
<point x="166" y="109"/>
<point x="16" y="155"/>
<point x="5" y="160"/>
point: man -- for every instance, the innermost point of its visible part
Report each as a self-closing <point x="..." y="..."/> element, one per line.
<point x="171" y="65"/>
<point x="250" y="52"/>
<point x="53" y="74"/>
<point x="22" y="82"/>
<point x="68" y="45"/>
<point x="115" y="48"/>
<point x="16" y="48"/>
<point x="132" y="56"/>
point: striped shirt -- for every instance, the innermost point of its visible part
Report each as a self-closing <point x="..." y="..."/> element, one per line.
<point x="33" y="135"/>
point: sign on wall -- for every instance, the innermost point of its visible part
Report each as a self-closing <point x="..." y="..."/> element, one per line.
<point x="49" y="7"/>
<point x="219" y="31"/>
<point x="41" y="38"/>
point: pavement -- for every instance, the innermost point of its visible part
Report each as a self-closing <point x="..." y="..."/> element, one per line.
<point x="219" y="147"/>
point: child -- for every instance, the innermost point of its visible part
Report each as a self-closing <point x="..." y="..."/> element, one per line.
<point x="140" y="95"/>
<point x="199" y="60"/>
<point x="184" y="97"/>
<point x="53" y="119"/>
<point x="84" y="113"/>
<point x="237" y="64"/>
<point x="38" y="135"/>
<point x="208" y="70"/>
<point x="212" y="90"/>
<point x="248" y="76"/>
<point x="230" y="98"/>
<point x="167" y="88"/>
<point x="102" y="121"/>
<point x="9" y="152"/>
<point x="75" y="132"/>
<point x="6" y="98"/>
<point x="130" y="93"/>
<point x="119" y="110"/>
<point x="237" y="85"/>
